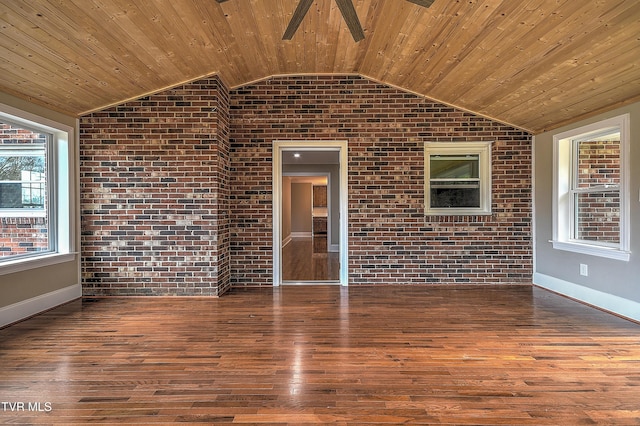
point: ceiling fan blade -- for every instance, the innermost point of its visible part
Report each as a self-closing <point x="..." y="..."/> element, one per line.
<point x="423" y="3"/>
<point x="296" y="19"/>
<point x="351" y="18"/>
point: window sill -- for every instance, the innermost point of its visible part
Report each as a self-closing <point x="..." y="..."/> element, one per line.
<point x="22" y="213"/>
<point x="23" y="264"/>
<point x="609" y="253"/>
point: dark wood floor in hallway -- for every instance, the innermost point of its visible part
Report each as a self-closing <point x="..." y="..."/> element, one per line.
<point x="304" y="261"/>
<point x="324" y="354"/>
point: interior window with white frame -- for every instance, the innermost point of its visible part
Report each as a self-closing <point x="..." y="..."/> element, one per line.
<point x="36" y="166"/>
<point x="590" y="198"/>
<point x="457" y="178"/>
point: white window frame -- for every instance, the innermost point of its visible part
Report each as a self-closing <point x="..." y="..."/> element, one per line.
<point x="483" y="150"/>
<point x="563" y="205"/>
<point x="61" y="180"/>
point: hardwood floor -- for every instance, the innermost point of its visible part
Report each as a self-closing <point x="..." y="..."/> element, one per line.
<point x="307" y="259"/>
<point x="324" y="354"/>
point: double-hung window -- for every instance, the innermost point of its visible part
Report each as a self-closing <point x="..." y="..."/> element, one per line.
<point x="590" y="198"/>
<point x="457" y="178"/>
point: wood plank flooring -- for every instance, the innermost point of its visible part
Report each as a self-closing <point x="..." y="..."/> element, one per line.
<point x="301" y="262"/>
<point x="324" y="355"/>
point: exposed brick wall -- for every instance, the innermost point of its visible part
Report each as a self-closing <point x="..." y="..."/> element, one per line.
<point x="22" y="235"/>
<point x="390" y="239"/>
<point x="221" y="191"/>
<point x="154" y="194"/>
<point x="177" y="199"/>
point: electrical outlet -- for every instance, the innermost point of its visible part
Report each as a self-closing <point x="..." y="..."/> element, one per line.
<point x="584" y="270"/>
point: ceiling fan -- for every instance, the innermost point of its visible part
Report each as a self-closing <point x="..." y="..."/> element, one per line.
<point x="348" y="13"/>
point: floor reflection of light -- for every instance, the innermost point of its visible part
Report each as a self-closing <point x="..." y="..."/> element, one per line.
<point x="63" y="379"/>
<point x="297" y="366"/>
<point x="344" y="316"/>
<point x="297" y="371"/>
<point x="297" y="341"/>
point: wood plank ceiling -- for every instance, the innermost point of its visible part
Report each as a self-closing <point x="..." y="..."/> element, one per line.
<point x="534" y="64"/>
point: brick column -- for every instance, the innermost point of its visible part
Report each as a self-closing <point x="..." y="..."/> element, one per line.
<point x="154" y="191"/>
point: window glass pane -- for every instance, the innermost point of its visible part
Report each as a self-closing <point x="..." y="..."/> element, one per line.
<point x="23" y="191"/>
<point x="22" y="179"/>
<point x="598" y="217"/>
<point x="454" y="166"/>
<point x="598" y="161"/>
<point x="455" y="194"/>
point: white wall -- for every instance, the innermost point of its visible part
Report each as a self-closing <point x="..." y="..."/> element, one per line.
<point x="301" y="220"/>
<point x="612" y="285"/>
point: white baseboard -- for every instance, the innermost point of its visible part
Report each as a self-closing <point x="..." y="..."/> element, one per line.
<point x="301" y="235"/>
<point x="26" y="308"/>
<point x="608" y="302"/>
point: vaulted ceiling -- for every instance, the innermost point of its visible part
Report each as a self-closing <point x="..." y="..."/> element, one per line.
<point x="534" y="64"/>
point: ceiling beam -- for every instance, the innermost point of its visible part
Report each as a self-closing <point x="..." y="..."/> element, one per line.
<point x="296" y="19"/>
<point x="351" y="18"/>
<point x="423" y="3"/>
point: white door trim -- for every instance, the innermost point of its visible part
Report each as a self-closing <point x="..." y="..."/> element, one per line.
<point x="304" y="145"/>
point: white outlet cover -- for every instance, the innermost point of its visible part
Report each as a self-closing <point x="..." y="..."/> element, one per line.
<point x="584" y="270"/>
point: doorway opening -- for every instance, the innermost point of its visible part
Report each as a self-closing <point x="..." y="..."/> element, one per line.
<point x="310" y="212"/>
